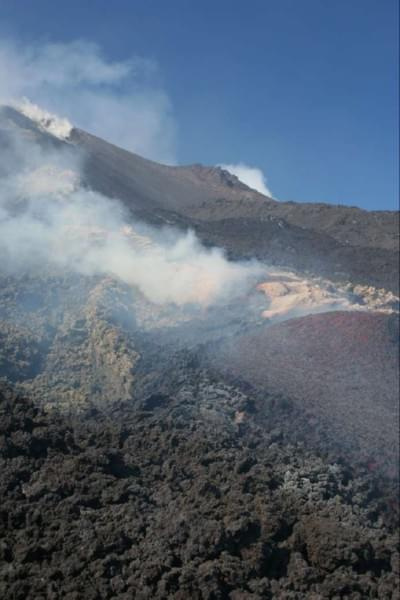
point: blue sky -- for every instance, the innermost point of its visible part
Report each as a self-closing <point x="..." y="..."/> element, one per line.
<point x="305" y="90"/>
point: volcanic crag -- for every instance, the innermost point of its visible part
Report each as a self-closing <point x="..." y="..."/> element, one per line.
<point x="226" y="431"/>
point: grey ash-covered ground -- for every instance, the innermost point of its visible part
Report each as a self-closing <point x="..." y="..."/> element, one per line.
<point x="185" y="496"/>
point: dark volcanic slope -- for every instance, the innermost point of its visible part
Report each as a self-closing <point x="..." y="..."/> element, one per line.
<point x="339" y="242"/>
<point x="341" y="367"/>
<point x="335" y="241"/>
<point x="210" y="193"/>
<point x="180" y="501"/>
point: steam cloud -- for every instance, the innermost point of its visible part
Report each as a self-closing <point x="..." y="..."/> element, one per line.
<point x="121" y="101"/>
<point x="251" y="176"/>
<point x="46" y="216"/>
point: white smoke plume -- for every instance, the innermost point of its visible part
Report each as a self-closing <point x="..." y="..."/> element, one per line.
<point x="251" y="176"/>
<point x="121" y="101"/>
<point x="57" y="126"/>
<point x="47" y="217"/>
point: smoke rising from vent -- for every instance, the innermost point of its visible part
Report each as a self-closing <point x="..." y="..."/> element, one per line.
<point x="251" y="176"/>
<point x="121" y="101"/>
<point x="46" y="216"/>
<point x="59" y="127"/>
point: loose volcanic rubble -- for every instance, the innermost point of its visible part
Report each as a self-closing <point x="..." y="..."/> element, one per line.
<point x="184" y="496"/>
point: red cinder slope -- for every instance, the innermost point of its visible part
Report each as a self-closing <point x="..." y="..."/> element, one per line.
<point x="341" y="367"/>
